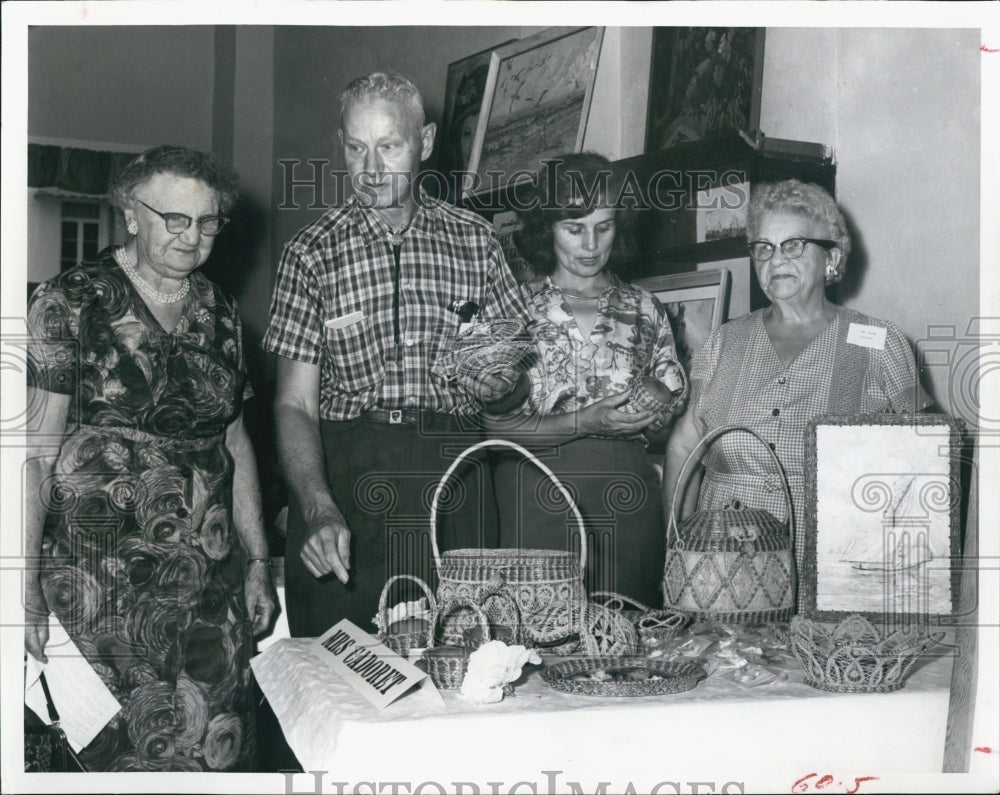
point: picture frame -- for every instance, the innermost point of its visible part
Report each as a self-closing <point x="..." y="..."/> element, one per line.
<point x="536" y="104"/>
<point x="703" y="82"/>
<point x="465" y="86"/>
<point x="882" y="523"/>
<point x="696" y="304"/>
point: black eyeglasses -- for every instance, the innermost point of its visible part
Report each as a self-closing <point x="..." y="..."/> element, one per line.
<point x="178" y="222"/>
<point x="762" y="250"/>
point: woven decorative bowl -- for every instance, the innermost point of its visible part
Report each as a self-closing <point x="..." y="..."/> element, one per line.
<point x="649" y="394"/>
<point x="446" y="665"/>
<point x="652" y="625"/>
<point x="487" y="346"/>
<point x="622" y="676"/>
<point x="854" y="657"/>
<point x="415" y="636"/>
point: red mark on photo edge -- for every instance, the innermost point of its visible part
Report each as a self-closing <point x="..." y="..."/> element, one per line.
<point x="984" y="48"/>
<point x="985" y="749"/>
<point x="804" y="784"/>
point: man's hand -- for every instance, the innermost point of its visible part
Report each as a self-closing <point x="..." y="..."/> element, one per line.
<point x="605" y="418"/>
<point x="36" y="623"/>
<point x="328" y="546"/>
<point x="258" y="592"/>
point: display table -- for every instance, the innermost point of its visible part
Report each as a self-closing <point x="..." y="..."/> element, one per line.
<point x="642" y="741"/>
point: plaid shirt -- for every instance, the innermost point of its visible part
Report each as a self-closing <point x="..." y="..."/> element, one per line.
<point x="343" y="263"/>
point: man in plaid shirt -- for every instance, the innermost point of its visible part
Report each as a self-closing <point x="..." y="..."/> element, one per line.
<point x="363" y="304"/>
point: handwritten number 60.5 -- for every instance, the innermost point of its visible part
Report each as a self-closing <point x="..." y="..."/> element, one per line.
<point x="806" y="783"/>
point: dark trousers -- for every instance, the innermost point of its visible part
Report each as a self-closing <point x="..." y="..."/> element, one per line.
<point x="618" y="494"/>
<point x="383" y="478"/>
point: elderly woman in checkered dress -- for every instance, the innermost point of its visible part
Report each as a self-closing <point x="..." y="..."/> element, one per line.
<point x="777" y="368"/>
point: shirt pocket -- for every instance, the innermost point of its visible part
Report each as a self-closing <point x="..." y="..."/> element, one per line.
<point x="354" y="357"/>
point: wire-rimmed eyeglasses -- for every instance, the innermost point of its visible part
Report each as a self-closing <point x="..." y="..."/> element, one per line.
<point x="178" y="222"/>
<point x="763" y="250"/>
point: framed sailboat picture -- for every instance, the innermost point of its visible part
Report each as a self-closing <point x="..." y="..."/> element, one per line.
<point x="882" y="502"/>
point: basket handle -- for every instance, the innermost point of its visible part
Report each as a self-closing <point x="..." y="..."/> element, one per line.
<point x="383" y="600"/>
<point x="513" y="446"/>
<point x="617" y="601"/>
<point x="450" y="605"/>
<point x="709" y="437"/>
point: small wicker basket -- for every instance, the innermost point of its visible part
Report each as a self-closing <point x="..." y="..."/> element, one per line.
<point x="402" y="642"/>
<point x="854" y="657"/>
<point x="446" y="665"/>
<point x="652" y="625"/>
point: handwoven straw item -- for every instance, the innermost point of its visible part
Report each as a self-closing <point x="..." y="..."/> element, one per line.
<point x="854" y="657"/>
<point x="446" y="665"/>
<point x="733" y="565"/>
<point x="653" y="625"/>
<point x="622" y="676"/>
<point x="546" y="585"/>
<point x="402" y="642"/>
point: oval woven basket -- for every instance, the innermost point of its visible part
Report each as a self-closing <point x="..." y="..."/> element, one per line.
<point x="546" y="584"/>
<point x="622" y="676"/>
<point x="731" y="565"/>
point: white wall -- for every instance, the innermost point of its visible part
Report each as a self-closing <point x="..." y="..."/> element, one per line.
<point x="145" y="85"/>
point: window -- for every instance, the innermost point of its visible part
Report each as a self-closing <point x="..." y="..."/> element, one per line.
<point x="80" y="232"/>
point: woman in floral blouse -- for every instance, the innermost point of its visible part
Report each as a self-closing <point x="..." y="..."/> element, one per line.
<point x="595" y="334"/>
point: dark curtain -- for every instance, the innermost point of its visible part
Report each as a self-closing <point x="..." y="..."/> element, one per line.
<point x="74" y="170"/>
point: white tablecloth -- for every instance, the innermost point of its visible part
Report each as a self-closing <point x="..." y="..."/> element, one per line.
<point x="717" y="727"/>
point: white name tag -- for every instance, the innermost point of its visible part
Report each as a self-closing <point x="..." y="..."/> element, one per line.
<point x="374" y="670"/>
<point x="866" y="336"/>
<point x="344" y="320"/>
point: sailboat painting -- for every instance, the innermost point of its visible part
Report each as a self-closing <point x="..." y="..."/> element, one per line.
<point x="881" y="517"/>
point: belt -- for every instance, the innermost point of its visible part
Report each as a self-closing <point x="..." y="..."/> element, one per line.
<point x="421" y="419"/>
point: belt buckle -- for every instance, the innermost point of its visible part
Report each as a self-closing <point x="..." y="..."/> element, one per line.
<point x="395" y="416"/>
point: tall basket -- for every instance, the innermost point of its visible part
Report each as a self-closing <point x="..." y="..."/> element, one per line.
<point x="734" y="565"/>
<point x="546" y="584"/>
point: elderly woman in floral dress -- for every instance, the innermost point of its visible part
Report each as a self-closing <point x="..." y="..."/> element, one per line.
<point x="143" y="504"/>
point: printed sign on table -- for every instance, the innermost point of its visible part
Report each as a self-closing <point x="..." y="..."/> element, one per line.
<point x="374" y="670"/>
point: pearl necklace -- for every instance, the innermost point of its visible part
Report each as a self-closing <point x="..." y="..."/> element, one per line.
<point x="144" y="287"/>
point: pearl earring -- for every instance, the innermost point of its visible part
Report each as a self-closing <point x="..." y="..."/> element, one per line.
<point x="133" y="227"/>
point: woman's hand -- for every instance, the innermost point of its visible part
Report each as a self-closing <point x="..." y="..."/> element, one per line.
<point x="36" y="622"/>
<point x="605" y="418"/>
<point x="258" y="591"/>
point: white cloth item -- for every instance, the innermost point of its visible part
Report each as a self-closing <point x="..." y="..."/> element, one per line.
<point x="399" y="612"/>
<point x="491" y="666"/>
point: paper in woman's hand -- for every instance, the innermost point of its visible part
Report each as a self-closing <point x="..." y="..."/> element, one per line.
<point x="83" y="701"/>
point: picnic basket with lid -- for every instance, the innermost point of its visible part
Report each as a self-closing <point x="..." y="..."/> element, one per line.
<point x="734" y="564"/>
<point x="546" y="585"/>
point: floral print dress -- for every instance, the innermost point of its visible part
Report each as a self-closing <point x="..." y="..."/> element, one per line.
<point x="140" y="556"/>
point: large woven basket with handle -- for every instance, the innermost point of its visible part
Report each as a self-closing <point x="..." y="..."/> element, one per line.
<point x="733" y="565"/>
<point x="546" y="584"/>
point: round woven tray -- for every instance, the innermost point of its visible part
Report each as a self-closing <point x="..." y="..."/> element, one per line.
<point x="627" y="676"/>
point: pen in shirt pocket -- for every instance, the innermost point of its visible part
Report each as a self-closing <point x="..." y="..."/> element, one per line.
<point x="343" y="321"/>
